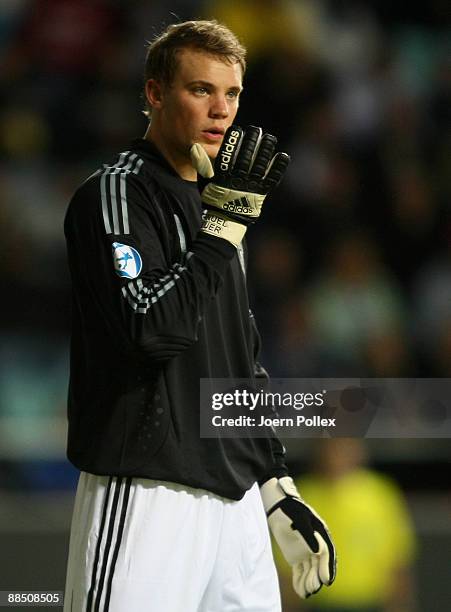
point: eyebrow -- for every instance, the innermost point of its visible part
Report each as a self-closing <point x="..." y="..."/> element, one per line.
<point x="208" y="84"/>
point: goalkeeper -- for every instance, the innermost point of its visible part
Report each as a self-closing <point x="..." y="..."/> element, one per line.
<point x="165" y="520"/>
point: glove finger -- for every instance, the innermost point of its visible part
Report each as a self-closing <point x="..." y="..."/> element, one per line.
<point x="299" y="574"/>
<point x="247" y="151"/>
<point x="312" y="580"/>
<point x="332" y="557"/>
<point x="228" y="150"/>
<point x="326" y="569"/>
<point x="298" y="583"/>
<point x="276" y="171"/>
<point x="263" y="157"/>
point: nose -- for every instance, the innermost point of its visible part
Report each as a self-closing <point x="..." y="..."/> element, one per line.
<point x="219" y="107"/>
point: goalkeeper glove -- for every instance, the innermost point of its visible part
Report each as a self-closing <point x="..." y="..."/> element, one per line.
<point x="244" y="172"/>
<point x="302" y="535"/>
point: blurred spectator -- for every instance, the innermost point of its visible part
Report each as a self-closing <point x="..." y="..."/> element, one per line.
<point x="357" y="312"/>
<point x="295" y="340"/>
<point x="367" y="514"/>
<point x="11" y="12"/>
<point x="268" y="26"/>
<point x="67" y="37"/>
<point x="57" y="54"/>
<point x="34" y="270"/>
<point x="431" y="322"/>
<point x="275" y="272"/>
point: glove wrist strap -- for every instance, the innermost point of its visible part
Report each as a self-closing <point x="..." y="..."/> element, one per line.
<point x="274" y="490"/>
<point x="219" y="225"/>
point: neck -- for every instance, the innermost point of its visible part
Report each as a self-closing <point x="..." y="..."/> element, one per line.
<point x="180" y="162"/>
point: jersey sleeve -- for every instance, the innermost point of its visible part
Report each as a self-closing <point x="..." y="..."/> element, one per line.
<point x="120" y="254"/>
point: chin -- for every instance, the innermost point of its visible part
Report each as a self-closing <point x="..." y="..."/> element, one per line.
<point x="211" y="149"/>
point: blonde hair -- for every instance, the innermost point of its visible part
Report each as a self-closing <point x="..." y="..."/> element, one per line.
<point x="208" y="36"/>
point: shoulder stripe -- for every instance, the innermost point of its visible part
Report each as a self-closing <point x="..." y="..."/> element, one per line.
<point x="124" y="208"/>
<point x="139" y="163"/>
<point x="114" y="202"/>
<point x="105" y="191"/>
<point x="115" y="218"/>
<point x="113" y="181"/>
<point x="106" y="220"/>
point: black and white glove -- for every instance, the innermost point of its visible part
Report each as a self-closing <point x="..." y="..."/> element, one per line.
<point x="302" y="535"/>
<point x="244" y="172"/>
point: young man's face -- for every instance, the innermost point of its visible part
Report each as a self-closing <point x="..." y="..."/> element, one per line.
<point x="201" y="103"/>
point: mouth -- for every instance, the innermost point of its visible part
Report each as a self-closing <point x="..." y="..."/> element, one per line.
<point x="213" y="134"/>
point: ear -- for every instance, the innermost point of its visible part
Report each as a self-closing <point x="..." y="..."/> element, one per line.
<point x="154" y="93"/>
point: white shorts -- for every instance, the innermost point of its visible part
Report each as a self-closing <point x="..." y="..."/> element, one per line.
<point x="140" y="545"/>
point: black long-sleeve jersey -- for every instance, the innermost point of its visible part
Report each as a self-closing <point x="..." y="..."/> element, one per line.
<point x="157" y="305"/>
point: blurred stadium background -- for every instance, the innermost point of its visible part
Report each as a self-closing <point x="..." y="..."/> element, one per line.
<point x="350" y="271"/>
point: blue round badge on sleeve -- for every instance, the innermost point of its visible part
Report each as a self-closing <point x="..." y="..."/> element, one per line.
<point x="127" y="260"/>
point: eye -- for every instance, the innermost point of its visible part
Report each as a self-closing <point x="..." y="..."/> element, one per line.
<point x="200" y="91"/>
<point x="232" y="94"/>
